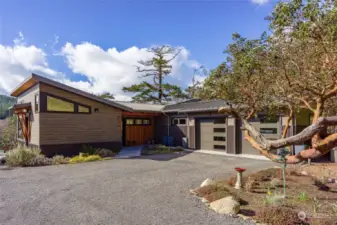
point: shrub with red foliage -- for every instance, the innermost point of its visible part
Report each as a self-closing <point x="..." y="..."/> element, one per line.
<point x="278" y="216"/>
<point x="231" y="181"/>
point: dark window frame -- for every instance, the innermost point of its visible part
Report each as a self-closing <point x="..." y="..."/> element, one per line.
<point x="219" y="147"/>
<point x="273" y="129"/>
<point x="147" y="123"/>
<point x="220" y="137"/>
<point x="221" y="120"/>
<point x="178" y="123"/>
<point x="137" y="120"/>
<point x="61" y="99"/>
<point x="84" y="106"/>
<point x="44" y="102"/>
<point x="36" y="103"/>
<point x="219" y="130"/>
<point x="134" y="121"/>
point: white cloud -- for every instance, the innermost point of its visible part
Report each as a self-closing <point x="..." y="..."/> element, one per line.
<point x="18" y="61"/>
<point x="260" y="2"/>
<point x="101" y="70"/>
<point x="110" y="70"/>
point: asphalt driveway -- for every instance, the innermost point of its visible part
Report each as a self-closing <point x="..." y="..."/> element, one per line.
<point x="146" y="190"/>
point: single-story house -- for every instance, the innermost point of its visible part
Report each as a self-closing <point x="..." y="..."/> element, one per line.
<point x="59" y="119"/>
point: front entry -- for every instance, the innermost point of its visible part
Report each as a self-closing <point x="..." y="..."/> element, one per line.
<point x="138" y="131"/>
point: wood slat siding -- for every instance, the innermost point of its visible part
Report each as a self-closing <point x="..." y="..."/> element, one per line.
<point x="68" y="128"/>
<point x="139" y="134"/>
<point x="26" y="97"/>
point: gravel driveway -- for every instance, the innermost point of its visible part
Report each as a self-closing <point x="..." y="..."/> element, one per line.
<point x="146" y="190"/>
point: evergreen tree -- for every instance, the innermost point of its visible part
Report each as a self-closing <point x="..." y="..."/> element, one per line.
<point x="158" y="68"/>
<point x="106" y="95"/>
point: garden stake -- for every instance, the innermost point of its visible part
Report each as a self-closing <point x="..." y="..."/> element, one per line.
<point x="283" y="153"/>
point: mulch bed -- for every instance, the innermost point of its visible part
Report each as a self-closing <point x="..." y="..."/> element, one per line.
<point x="310" y="193"/>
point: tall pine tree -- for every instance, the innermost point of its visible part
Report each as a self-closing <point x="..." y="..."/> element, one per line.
<point x="194" y="90"/>
<point x="158" y="68"/>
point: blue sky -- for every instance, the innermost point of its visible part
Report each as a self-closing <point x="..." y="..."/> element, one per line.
<point x="57" y="30"/>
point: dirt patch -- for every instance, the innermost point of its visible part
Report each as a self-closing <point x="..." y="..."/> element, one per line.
<point x="321" y="170"/>
<point x="309" y="194"/>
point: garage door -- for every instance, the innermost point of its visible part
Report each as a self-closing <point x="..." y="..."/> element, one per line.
<point x="211" y="134"/>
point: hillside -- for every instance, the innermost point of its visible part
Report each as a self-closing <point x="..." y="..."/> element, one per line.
<point x="5" y="103"/>
<point x="3" y="125"/>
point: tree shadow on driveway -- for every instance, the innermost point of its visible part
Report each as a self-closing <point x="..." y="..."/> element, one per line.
<point x="163" y="157"/>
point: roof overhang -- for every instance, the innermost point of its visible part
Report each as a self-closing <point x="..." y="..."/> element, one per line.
<point x="191" y="110"/>
<point x="25" y="85"/>
<point x="34" y="79"/>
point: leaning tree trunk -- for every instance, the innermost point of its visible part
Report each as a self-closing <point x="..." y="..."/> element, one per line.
<point x="320" y="146"/>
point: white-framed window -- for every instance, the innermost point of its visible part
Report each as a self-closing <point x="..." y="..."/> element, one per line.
<point x="179" y="121"/>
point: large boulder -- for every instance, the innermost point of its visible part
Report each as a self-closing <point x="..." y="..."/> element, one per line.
<point x="207" y="182"/>
<point x="304" y="173"/>
<point x="227" y="205"/>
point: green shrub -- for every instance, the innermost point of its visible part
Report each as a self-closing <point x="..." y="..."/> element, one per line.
<point x="105" y="153"/>
<point x="9" y="140"/>
<point x="303" y="196"/>
<point x="22" y="156"/>
<point x="91" y="158"/>
<point x="88" y="149"/>
<point x="59" y="159"/>
<point x="80" y="158"/>
<point x="76" y="159"/>
<point x="40" y="160"/>
<point x="273" y="199"/>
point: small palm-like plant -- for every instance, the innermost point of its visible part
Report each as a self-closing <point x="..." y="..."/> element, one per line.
<point x="303" y="196"/>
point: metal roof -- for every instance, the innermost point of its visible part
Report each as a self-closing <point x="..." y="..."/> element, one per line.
<point x="196" y="106"/>
<point x="143" y="107"/>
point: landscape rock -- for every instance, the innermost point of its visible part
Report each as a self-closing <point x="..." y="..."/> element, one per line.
<point x="244" y="217"/>
<point x="331" y="180"/>
<point x="207" y="182"/>
<point x="227" y="205"/>
<point x="304" y="173"/>
<point x="204" y="200"/>
<point x="192" y="191"/>
<point x="275" y="182"/>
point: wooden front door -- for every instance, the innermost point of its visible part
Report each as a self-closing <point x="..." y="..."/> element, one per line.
<point x="138" y="131"/>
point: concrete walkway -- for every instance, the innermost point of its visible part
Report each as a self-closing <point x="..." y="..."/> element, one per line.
<point x="212" y="152"/>
<point x="132" y="151"/>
